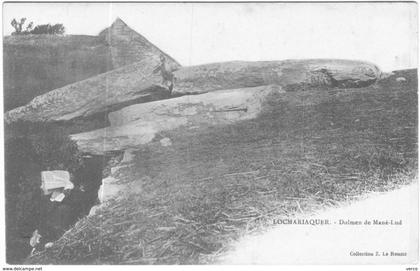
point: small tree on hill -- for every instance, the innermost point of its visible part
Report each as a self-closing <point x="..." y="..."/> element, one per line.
<point x="18" y="26"/>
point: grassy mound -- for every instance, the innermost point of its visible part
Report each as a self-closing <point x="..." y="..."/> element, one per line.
<point x="308" y="150"/>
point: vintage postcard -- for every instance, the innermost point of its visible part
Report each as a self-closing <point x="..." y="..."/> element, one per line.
<point x="188" y="133"/>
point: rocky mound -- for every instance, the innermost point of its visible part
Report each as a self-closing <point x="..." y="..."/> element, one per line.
<point x="137" y="83"/>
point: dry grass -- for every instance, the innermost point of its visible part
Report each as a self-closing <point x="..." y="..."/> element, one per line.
<point x="309" y="150"/>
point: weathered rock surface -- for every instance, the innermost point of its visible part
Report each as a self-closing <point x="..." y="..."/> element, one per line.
<point x="140" y="124"/>
<point x="137" y="83"/>
<point x="109" y="189"/>
<point x="216" y="107"/>
<point x="113" y="188"/>
<point x="93" y="95"/>
<point x="127" y="46"/>
<point x="288" y="73"/>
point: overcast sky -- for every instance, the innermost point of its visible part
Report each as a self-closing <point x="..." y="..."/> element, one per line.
<point x="196" y="33"/>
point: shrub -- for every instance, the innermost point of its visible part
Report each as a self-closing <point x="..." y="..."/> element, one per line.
<point x="18" y="25"/>
<point x="49" y="144"/>
<point x="56" y="29"/>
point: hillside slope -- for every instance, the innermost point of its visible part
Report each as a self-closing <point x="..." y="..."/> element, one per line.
<point x="193" y="197"/>
<point x="36" y="64"/>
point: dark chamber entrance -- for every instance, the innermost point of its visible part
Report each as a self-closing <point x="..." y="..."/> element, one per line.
<point x="28" y="209"/>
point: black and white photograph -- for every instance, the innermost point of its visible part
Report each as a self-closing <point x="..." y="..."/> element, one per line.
<point x="210" y="133"/>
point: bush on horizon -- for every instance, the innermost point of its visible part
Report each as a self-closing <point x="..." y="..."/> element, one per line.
<point x="56" y="29"/>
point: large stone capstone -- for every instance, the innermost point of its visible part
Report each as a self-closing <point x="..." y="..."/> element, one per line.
<point x="140" y="124"/>
<point x="137" y="84"/>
